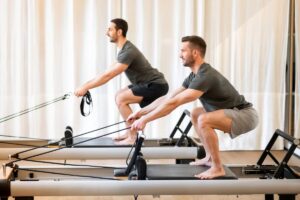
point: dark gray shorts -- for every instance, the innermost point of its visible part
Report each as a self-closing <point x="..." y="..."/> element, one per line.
<point x="149" y="91"/>
<point x="243" y="120"/>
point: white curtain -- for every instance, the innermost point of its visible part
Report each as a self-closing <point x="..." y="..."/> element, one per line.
<point x="48" y="48"/>
<point x="297" y="54"/>
<point x="247" y="42"/>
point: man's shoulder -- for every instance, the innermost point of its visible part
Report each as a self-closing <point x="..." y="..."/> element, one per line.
<point x="205" y="67"/>
<point x="129" y="45"/>
<point x="129" y="48"/>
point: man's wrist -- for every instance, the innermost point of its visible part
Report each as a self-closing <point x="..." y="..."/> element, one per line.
<point x="145" y="119"/>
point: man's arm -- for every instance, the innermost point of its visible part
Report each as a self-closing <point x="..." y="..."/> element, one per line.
<point x="116" y="69"/>
<point x="160" y="101"/>
<point x="153" y="105"/>
<point x="167" y="107"/>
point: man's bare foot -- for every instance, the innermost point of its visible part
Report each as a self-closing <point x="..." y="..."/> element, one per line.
<point x="126" y="141"/>
<point x="211" y="173"/>
<point x="121" y="137"/>
<point x="205" y="161"/>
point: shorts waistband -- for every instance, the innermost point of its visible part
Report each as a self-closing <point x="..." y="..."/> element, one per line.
<point x="243" y="106"/>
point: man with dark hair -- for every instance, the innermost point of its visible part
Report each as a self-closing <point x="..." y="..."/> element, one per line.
<point x="223" y="107"/>
<point x="120" y="24"/>
<point x="147" y="83"/>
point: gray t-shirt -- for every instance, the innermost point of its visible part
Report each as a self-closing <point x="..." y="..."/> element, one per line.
<point x="139" y="69"/>
<point x="218" y="91"/>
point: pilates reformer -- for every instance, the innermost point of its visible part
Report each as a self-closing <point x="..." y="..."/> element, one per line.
<point x="143" y="179"/>
<point x="104" y="147"/>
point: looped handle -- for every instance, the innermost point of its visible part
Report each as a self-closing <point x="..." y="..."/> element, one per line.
<point x="86" y="100"/>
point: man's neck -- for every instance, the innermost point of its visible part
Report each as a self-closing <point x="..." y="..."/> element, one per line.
<point x="196" y="66"/>
<point x="121" y="42"/>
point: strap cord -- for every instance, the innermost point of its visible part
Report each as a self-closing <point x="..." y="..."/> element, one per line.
<point x="9" y="117"/>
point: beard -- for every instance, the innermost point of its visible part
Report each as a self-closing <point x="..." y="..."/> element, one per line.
<point x="112" y="39"/>
<point x="188" y="62"/>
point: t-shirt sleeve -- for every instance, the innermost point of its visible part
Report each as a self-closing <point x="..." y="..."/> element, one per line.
<point x="186" y="81"/>
<point x="126" y="57"/>
<point x="198" y="82"/>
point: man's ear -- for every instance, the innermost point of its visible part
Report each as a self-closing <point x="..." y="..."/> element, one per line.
<point x="195" y="52"/>
<point x="119" y="32"/>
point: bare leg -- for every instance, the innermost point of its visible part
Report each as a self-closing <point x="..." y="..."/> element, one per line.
<point x="194" y="118"/>
<point x="123" y="98"/>
<point x="206" y="124"/>
<point x="211" y="141"/>
<point x="125" y="111"/>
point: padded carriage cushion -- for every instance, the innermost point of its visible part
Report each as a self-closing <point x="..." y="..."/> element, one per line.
<point x="181" y="172"/>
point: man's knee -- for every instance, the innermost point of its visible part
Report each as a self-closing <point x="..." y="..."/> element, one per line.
<point x="120" y="98"/>
<point x="203" y="121"/>
<point x="195" y="113"/>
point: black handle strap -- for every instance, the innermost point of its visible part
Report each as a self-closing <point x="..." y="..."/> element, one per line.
<point x="86" y="100"/>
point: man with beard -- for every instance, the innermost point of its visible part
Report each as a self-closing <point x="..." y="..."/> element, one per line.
<point x="147" y="83"/>
<point x="223" y="107"/>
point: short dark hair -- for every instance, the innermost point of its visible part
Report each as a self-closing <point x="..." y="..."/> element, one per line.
<point x="195" y="42"/>
<point x="120" y="24"/>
